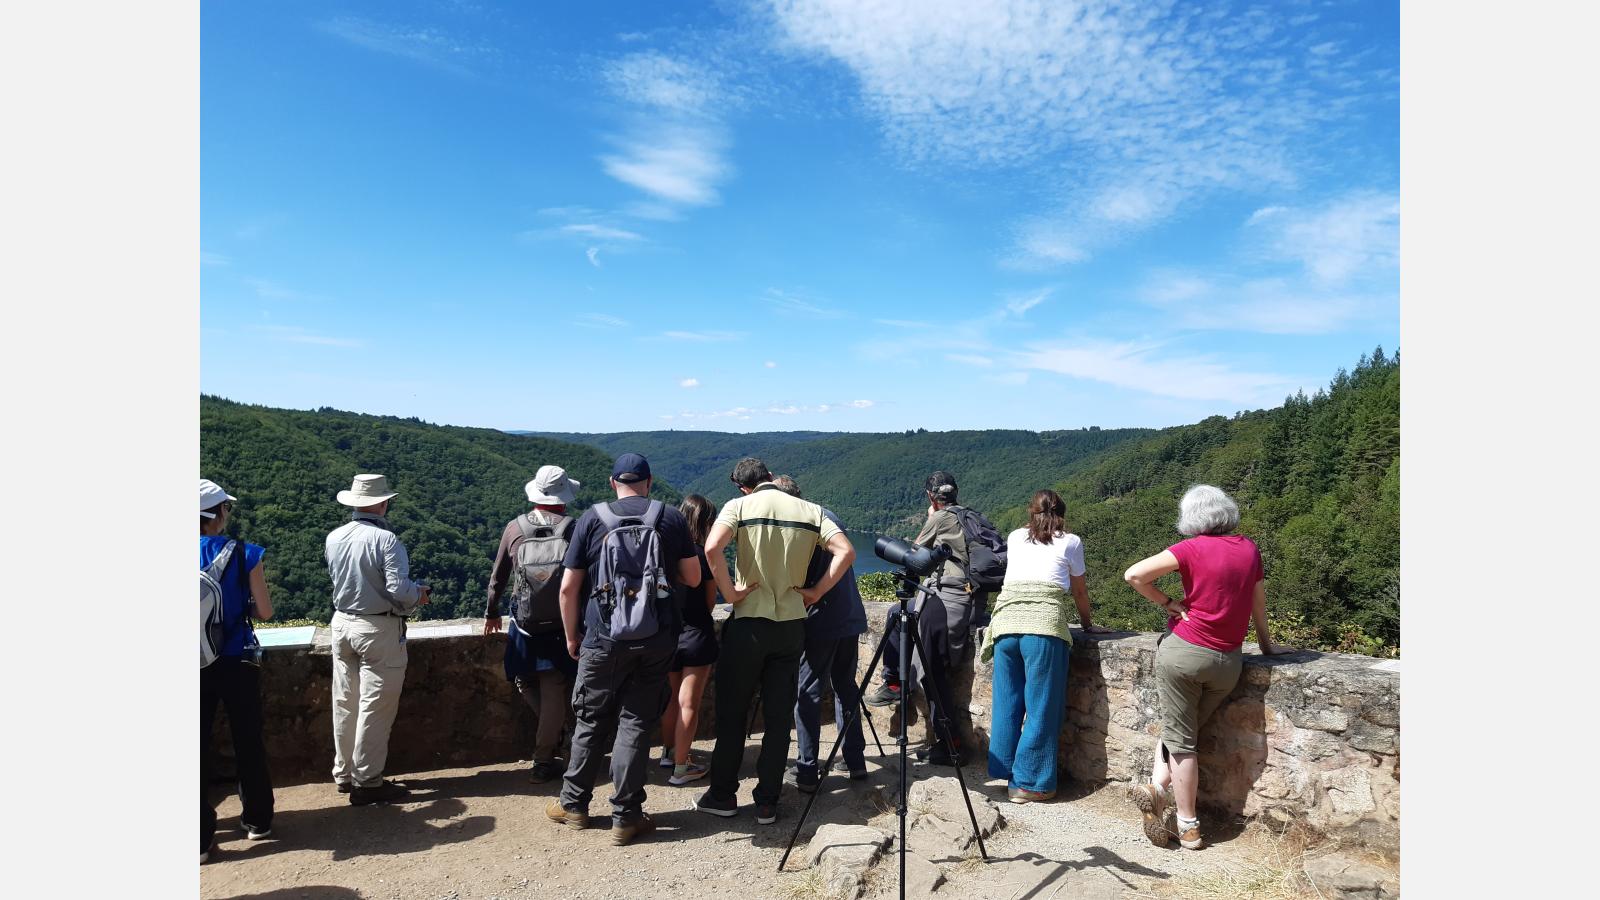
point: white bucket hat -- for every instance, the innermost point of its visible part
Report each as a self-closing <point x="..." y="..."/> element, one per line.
<point x="367" y="490"/>
<point x="551" y="486"/>
<point x="211" y="495"/>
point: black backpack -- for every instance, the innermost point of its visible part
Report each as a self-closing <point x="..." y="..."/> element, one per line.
<point x="536" y="574"/>
<point x="986" y="550"/>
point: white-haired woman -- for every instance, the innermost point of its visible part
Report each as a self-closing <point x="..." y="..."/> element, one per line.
<point x="1198" y="660"/>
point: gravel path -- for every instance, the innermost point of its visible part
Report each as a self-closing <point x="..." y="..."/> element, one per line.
<point x="482" y="833"/>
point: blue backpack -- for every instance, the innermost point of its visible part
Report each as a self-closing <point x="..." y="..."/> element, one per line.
<point x="629" y="585"/>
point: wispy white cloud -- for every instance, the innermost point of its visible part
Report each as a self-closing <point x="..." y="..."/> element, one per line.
<point x="903" y="323"/>
<point x="593" y="253"/>
<point x="770" y="364"/>
<point x="702" y="336"/>
<point x="600" y="320"/>
<point x="970" y="359"/>
<point x="271" y="290"/>
<point x="674" y="144"/>
<point x="208" y="258"/>
<point x="1152" y="368"/>
<point x="689" y="383"/>
<point x="297" y="335"/>
<point x="426" y="45"/>
<point x="744" y="413"/>
<point x="601" y="232"/>
<point x="1019" y="304"/>
<point x="789" y="303"/>
<point x="1009" y="379"/>
<point x="1353" y="235"/>
<point x="1131" y="108"/>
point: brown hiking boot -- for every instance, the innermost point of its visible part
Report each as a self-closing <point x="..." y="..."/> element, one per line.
<point x="1191" y="839"/>
<point x="560" y="815"/>
<point x="623" y="831"/>
<point x="1152" y="801"/>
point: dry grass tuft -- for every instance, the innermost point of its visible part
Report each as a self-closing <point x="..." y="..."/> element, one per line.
<point x="807" y="885"/>
<point x="1277" y="872"/>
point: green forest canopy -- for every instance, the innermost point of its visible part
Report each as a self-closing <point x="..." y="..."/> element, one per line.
<point x="1317" y="480"/>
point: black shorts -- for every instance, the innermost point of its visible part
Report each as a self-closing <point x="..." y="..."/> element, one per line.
<point x="697" y="646"/>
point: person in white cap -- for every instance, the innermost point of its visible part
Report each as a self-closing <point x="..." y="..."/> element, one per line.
<point x="537" y="663"/>
<point x="372" y="594"/>
<point x="229" y="679"/>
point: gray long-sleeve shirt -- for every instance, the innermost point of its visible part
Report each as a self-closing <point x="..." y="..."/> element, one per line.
<point x="369" y="568"/>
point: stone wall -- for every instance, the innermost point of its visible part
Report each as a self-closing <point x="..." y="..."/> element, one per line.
<point x="1310" y="737"/>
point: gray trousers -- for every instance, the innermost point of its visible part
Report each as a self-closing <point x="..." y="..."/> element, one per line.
<point x="831" y="661"/>
<point x="621" y="688"/>
<point x="546" y="694"/>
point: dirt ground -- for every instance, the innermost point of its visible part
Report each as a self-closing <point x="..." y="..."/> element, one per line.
<point x="481" y="833"/>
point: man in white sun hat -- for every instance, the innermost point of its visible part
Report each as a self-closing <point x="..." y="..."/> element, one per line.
<point x="372" y="594"/>
<point x="537" y="663"/>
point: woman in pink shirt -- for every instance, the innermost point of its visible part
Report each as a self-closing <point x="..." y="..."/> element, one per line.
<point x="1198" y="660"/>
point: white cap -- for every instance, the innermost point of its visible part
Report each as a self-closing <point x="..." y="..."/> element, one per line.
<point x="211" y="495"/>
<point x="552" y="487"/>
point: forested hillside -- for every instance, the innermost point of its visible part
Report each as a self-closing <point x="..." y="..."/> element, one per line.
<point x="458" y="488"/>
<point x="874" y="481"/>
<point x="1318" y="483"/>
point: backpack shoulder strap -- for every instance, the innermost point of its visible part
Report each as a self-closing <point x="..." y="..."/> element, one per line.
<point x="525" y="525"/>
<point x="653" y="513"/>
<point x="607" y="517"/>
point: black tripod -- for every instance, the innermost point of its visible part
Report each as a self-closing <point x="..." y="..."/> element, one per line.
<point x="905" y="624"/>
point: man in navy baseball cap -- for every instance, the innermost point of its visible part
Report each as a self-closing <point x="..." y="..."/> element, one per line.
<point x="631" y="468"/>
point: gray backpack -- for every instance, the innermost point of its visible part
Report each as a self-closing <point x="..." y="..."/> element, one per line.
<point x="213" y="633"/>
<point x="629" y="586"/>
<point x="536" y="574"/>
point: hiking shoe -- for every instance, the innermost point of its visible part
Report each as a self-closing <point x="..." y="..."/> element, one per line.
<point x="1023" y="795"/>
<point x="766" y="813"/>
<point x="937" y="756"/>
<point x="666" y="758"/>
<point x="887" y="694"/>
<point x="1152" y="801"/>
<point x="717" y="806"/>
<point x="543" y="772"/>
<point x="1191" y="839"/>
<point x="693" y="772"/>
<point x="560" y="815"/>
<point x="624" y="830"/>
<point x="855" y="774"/>
<point x="805" y="785"/>
<point x="255" y="832"/>
<point x="384" y="792"/>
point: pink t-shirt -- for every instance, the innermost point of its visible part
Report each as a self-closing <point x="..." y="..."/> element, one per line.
<point x="1220" y="573"/>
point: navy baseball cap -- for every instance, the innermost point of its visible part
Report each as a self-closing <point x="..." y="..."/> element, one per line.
<point x="631" y="467"/>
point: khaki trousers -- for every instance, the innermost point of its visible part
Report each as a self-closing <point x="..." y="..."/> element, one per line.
<point x="369" y="671"/>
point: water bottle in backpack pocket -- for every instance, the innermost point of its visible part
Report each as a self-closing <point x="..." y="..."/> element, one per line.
<point x="629" y="585"/>
<point x="536" y="575"/>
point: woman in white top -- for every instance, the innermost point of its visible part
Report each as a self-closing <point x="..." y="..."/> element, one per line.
<point x="1030" y="642"/>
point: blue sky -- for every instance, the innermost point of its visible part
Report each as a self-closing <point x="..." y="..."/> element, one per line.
<point x="813" y="214"/>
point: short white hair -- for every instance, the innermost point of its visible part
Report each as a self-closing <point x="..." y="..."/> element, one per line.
<point x="1206" y="510"/>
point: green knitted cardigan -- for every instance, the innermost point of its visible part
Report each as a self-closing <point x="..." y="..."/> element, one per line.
<point x="1028" y="607"/>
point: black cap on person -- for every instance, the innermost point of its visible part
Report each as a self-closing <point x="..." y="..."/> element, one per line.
<point x="631" y="467"/>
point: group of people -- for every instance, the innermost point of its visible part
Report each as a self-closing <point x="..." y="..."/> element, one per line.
<point x="611" y="637"/>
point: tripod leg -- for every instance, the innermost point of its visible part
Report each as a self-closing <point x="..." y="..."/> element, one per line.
<point x="822" y="771"/>
<point x="867" y="714"/>
<point x="937" y="711"/>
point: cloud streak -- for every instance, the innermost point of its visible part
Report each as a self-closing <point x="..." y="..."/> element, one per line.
<point x="1150" y="368"/>
<point x="425" y="45"/>
<point x="674" y="144"/>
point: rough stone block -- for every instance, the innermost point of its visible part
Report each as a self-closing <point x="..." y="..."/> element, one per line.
<point x="935" y="838"/>
<point x="941" y="796"/>
<point x="849" y="848"/>
<point x="1350" y="792"/>
<point x="1341" y="877"/>
<point x="922" y="877"/>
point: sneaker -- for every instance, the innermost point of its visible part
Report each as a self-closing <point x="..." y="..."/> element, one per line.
<point x="808" y="785"/>
<point x="344" y="787"/>
<point x="855" y="774"/>
<point x="766" y="813"/>
<point x="623" y="831"/>
<point x="544" y="772"/>
<point x="716" y="806"/>
<point x="384" y="792"/>
<point x="887" y="694"/>
<point x="1023" y="795"/>
<point x="692" y="772"/>
<point x="560" y="815"/>
<point x="666" y="761"/>
<point x="1191" y="839"/>
<point x="255" y="832"/>
<point x="1152" y="801"/>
